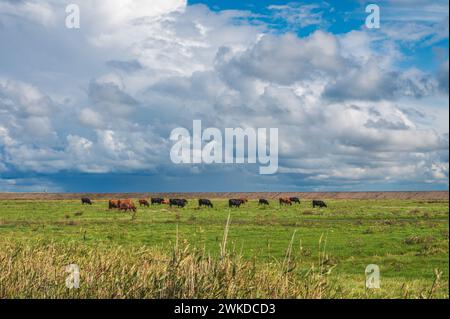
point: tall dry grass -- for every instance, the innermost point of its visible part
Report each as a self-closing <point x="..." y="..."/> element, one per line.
<point x="39" y="271"/>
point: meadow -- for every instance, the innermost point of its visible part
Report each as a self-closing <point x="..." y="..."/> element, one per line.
<point x="251" y="252"/>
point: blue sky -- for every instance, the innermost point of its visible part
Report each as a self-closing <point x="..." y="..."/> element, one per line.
<point x="91" y="109"/>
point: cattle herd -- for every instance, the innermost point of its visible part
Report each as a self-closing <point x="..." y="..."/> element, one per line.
<point x="128" y="204"/>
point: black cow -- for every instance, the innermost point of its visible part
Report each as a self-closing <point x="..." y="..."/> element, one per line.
<point x="177" y="202"/>
<point x="319" y="203"/>
<point x="235" y="203"/>
<point x="263" y="201"/>
<point x="157" y="200"/>
<point x="205" y="202"/>
<point x="86" y="200"/>
<point x="295" y="200"/>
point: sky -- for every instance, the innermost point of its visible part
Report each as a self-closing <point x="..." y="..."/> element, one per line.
<point x="92" y="109"/>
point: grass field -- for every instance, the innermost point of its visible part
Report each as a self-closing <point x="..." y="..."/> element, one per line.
<point x="304" y="252"/>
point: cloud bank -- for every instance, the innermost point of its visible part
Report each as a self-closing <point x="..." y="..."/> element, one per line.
<point x="102" y="100"/>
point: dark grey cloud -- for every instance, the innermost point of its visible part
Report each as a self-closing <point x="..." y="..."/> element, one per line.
<point x="386" y="124"/>
<point x="109" y="93"/>
<point x="127" y="66"/>
<point x="413" y="113"/>
<point x="370" y="82"/>
<point x="286" y="59"/>
<point x="443" y="77"/>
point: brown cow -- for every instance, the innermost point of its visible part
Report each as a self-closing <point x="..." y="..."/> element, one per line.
<point x="285" y="201"/>
<point x="165" y="202"/>
<point x="243" y="200"/>
<point x="144" y="202"/>
<point x="126" y="201"/>
<point x="113" y="203"/>
<point x="128" y="205"/>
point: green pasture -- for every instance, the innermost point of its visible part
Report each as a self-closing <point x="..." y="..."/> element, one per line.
<point x="408" y="240"/>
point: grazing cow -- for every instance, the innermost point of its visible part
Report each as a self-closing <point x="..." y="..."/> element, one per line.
<point x="113" y="204"/>
<point x="177" y="202"/>
<point x="126" y="201"/>
<point x="319" y="203"/>
<point x="285" y="201"/>
<point x="165" y="202"/>
<point x="127" y="205"/>
<point x="235" y="203"/>
<point x="243" y="200"/>
<point x="86" y="200"/>
<point x="263" y="201"/>
<point x="144" y="202"/>
<point x="205" y="202"/>
<point x="157" y="200"/>
<point x="295" y="200"/>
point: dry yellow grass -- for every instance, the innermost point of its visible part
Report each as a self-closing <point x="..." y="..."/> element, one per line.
<point x="38" y="271"/>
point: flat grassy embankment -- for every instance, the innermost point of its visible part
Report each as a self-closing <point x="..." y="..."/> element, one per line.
<point x="287" y="252"/>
